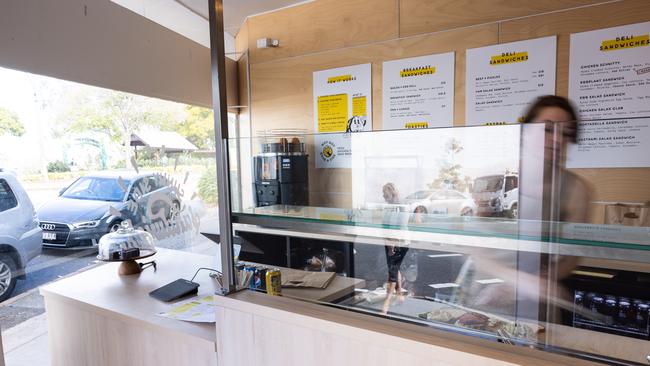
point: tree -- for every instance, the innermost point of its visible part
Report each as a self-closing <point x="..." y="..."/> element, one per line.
<point x="117" y="115"/>
<point x="198" y="127"/>
<point x="10" y="124"/>
<point x="449" y="175"/>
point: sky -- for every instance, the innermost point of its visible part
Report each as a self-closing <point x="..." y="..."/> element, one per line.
<point x="22" y="93"/>
<point x="17" y="95"/>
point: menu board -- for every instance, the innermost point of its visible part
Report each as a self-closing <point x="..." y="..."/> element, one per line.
<point x="609" y="80"/>
<point x="502" y="80"/>
<point x="418" y="92"/>
<point x="342" y="104"/>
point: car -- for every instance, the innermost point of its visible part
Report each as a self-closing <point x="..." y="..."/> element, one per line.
<point x="440" y="201"/>
<point x="20" y="234"/>
<point x="97" y="204"/>
<point x="497" y="195"/>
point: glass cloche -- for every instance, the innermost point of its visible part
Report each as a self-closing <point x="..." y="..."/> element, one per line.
<point x="126" y="244"/>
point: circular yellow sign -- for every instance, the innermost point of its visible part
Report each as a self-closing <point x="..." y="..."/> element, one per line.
<point x="327" y="151"/>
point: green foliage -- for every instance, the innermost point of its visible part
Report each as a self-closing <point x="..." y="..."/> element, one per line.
<point x="120" y="164"/>
<point x="9" y="123"/>
<point x="57" y="167"/>
<point x="208" y="186"/>
<point x="89" y="119"/>
<point x="198" y="127"/>
<point x="116" y="114"/>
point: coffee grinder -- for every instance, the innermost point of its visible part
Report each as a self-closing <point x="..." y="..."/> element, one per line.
<point x="281" y="172"/>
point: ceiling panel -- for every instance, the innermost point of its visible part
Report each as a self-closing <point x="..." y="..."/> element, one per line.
<point x="189" y="17"/>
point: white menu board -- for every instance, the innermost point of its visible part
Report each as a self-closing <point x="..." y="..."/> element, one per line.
<point x="418" y="92"/>
<point x="502" y="80"/>
<point x="342" y="104"/>
<point x="609" y="80"/>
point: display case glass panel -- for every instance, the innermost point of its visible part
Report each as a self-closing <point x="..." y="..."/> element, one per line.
<point x="477" y="230"/>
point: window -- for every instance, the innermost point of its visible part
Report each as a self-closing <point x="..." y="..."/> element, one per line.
<point x="7" y="198"/>
<point x="418" y="195"/>
<point x="455" y="195"/>
<point x="511" y="183"/>
<point x="93" y="188"/>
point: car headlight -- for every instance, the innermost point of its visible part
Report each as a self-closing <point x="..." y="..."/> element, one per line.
<point x="85" y="224"/>
<point x="495" y="202"/>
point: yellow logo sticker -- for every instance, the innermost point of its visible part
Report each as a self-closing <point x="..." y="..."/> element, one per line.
<point x="625" y="42"/>
<point x="340" y="79"/>
<point x="509" y="58"/>
<point x="417" y="71"/>
<point x="327" y="151"/>
<point x="417" y="125"/>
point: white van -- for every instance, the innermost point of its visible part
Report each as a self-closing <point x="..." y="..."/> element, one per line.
<point x="497" y="195"/>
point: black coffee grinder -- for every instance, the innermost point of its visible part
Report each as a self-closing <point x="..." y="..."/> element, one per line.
<point x="281" y="173"/>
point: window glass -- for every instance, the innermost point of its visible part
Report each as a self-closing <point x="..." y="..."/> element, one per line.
<point x="511" y="183"/>
<point x="488" y="184"/>
<point x="94" y="188"/>
<point x="418" y="195"/>
<point x="455" y="195"/>
<point x="76" y="151"/>
<point x="7" y="197"/>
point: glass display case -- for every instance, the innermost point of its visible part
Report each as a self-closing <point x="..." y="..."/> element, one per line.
<point x="475" y="230"/>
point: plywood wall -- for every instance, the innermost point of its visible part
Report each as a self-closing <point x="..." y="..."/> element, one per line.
<point x="331" y="33"/>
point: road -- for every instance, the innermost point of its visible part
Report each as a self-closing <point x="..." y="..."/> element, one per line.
<point x="52" y="264"/>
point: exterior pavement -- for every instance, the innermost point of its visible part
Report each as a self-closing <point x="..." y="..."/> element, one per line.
<point x="26" y="344"/>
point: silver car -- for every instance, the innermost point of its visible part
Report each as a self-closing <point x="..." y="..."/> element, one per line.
<point x="20" y="234"/>
<point x="440" y="201"/>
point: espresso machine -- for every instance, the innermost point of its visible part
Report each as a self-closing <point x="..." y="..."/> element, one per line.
<point x="281" y="172"/>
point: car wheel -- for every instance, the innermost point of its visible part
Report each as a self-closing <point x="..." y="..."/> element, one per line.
<point x="114" y="226"/>
<point x="7" y="278"/>
<point x="513" y="213"/>
<point x="467" y="212"/>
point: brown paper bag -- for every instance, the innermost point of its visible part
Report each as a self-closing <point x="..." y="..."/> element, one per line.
<point x="627" y="215"/>
<point x="297" y="278"/>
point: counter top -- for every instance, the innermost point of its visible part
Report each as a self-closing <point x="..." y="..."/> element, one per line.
<point x="127" y="297"/>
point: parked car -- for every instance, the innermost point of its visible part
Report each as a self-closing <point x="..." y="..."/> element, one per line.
<point x="20" y="234"/>
<point x="440" y="201"/>
<point x="96" y="204"/>
<point x="497" y="195"/>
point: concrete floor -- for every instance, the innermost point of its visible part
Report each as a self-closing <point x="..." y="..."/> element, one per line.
<point x="26" y="344"/>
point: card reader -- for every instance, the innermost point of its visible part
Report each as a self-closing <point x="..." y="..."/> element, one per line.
<point x="175" y="290"/>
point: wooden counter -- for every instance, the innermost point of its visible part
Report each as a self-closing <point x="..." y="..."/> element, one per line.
<point x="255" y="329"/>
<point x="99" y="318"/>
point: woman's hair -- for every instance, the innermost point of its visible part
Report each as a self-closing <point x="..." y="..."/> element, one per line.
<point x="549" y="101"/>
<point x="390" y="193"/>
